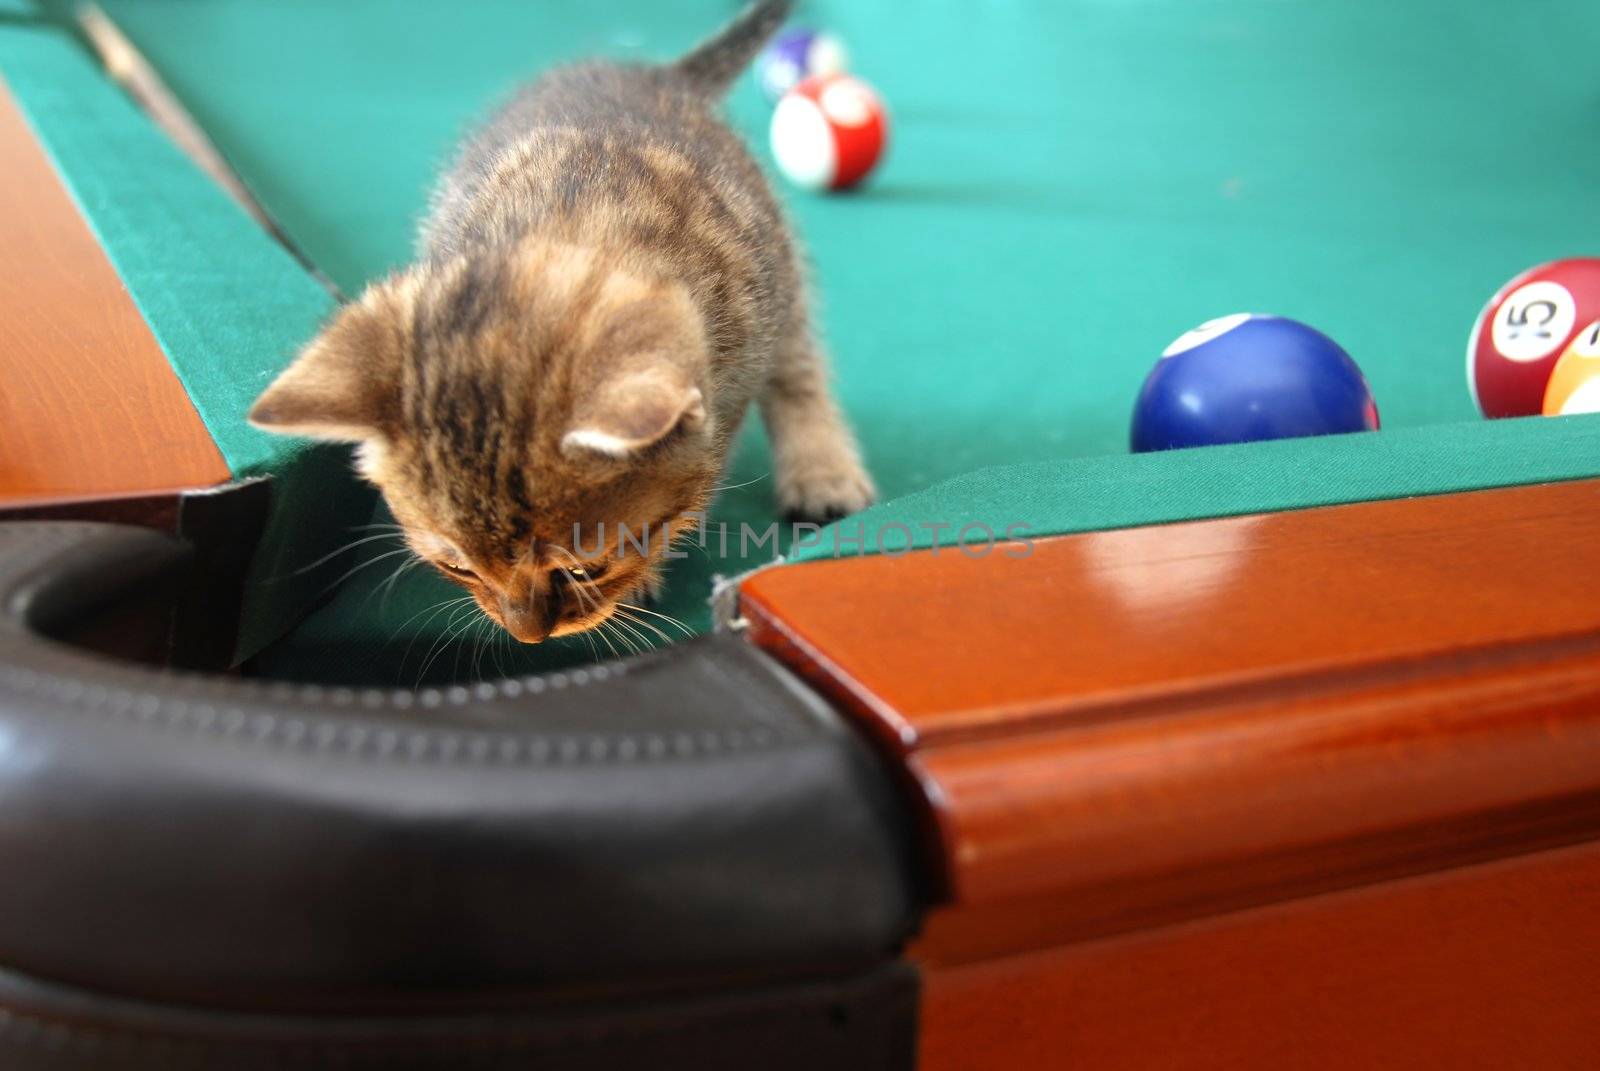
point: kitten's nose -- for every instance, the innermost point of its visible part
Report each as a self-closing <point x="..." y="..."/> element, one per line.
<point x="531" y="620"/>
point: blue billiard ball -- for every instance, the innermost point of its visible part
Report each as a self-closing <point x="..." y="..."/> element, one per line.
<point x="1243" y="378"/>
<point x="795" y="55"/>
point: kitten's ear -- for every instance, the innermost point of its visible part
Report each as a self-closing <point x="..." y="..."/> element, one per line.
<point x="633" y="413"/>
<point x="344" y="383"/>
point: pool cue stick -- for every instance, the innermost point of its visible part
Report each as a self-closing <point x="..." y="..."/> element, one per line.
<point x="130" y="70"/>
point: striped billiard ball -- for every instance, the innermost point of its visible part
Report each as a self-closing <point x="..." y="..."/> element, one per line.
<point x="1525" y="329"/>
<point x="829" y="132"/>
<point x="1575" y="381"/>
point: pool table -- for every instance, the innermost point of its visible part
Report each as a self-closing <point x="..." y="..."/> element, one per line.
<point x="1274" y="754"/>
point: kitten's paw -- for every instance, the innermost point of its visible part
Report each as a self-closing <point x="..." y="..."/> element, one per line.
<point x="824" y="492"/>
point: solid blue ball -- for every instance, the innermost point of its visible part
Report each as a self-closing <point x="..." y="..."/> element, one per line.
<point x="1245" y="378"/>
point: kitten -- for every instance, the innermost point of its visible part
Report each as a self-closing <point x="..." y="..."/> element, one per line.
<point x="605" y="282"/>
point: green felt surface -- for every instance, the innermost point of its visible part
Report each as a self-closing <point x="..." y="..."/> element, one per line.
<point x="1072" y="183"/>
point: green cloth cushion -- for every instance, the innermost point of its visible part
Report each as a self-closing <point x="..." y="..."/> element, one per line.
<point x="1121" y="491"/>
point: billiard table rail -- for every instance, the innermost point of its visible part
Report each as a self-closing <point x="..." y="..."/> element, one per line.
<point x="1132" y="729"/>
<point x="653" y="845"/>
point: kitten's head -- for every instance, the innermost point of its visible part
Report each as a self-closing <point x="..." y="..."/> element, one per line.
<point x="521" y="415"/>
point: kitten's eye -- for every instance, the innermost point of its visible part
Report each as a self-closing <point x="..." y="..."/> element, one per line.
<point x="457" y="570"/>
<point x="587" y="572"/>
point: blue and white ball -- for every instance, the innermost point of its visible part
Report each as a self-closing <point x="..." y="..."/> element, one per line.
<point x="795" y="55"/>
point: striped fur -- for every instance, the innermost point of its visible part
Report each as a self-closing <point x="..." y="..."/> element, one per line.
<point x="604" y="283"/>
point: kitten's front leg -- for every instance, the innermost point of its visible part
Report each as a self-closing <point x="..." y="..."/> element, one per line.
<point x="817" y="464"/>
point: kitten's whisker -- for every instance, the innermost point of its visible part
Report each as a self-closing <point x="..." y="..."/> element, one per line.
<point x="610" y="625"/>
<point x="668" y="618"/>
<point x="388" y="586"/>
<point x="685" y="539"/>
<point x="600" y="630"/>
<point x="354" y="569"/>
<point x="446" y="639"/>
<point x="432" y="612"/>
<point x="491" y="645"/>
<point x="477" y="647"/>
<point x="479" y="640"/>
<point x="636" y="623"/>
<point x="624" y="622"/>
<point x="332" y="555"/>
<point x="502" y="644"/>
<point x="435" y="607"/>
<point x="644" y="624"/>
<point x="453" y="644"/>
<point x="604" y="631"/>
<point x="737" y="486"/>
<point x="441" y="637"/>
<point x="636" y="643"/>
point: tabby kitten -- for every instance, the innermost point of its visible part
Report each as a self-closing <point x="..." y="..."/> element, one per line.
<point x="604" y="284"/>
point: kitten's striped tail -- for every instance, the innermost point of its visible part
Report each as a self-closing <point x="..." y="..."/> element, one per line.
<point x="716" y="63"/>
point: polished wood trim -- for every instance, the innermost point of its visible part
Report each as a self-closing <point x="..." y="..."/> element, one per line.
<point x="1489" y="967"/>
<point x="1072" y="836"/>
<point x="1129" y="728"/>
<point x="1105" y="625"/>
<point x="90" y="405"/>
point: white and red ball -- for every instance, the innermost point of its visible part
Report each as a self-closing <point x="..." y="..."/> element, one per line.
<point x="829" y="132"/>
<point x="1524" y="330"/>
